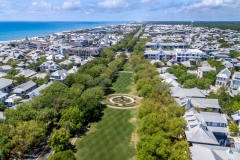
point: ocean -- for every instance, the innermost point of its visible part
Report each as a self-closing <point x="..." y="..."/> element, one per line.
<point x="20" y="30"/>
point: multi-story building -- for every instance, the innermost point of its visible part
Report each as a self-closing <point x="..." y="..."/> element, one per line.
<point x="186" y="54"/>
<point x="222" y="78"/>
<point x="155" y="54"/>
<point x="235" y="83"/>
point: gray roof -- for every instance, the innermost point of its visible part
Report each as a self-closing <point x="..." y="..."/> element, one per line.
<point x="27" y="73"/>
<point x="207" y="68"/>
<point x="151" y="44"/>
<point x="5" y="82"/>
<point x="225" y="73"/>
<point x="24" y="87"/>
<point x="40" y="75"/>
<point x="172" y="82"/>
<point x="153" y="52"/>
<point x="199" y="131"/>
<point x="214" y="117"/>
<point x="201" y="135"/>
<point x="2" y="94"/>
<point x="236" y="115"/>
<point x="236" y="75"/>
<point x="210" y="152"/>
<point x="202" y="103"/>
<point x="167" y="76"/>
<point x="6" y="67"/>
<point x="183" y="92"/>
<point x="36" y="91"/>
<point x="62" y="73"/>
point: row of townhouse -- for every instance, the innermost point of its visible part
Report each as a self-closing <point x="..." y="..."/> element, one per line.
<point x="180" y="55"/>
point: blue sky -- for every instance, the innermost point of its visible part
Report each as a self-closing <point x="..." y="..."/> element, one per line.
<point x="119" y="10"/>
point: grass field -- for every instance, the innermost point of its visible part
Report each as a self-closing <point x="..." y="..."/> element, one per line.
<point x="109" y="139"/>
<point x="115" y="136"/>
<point x="123" y="83"/>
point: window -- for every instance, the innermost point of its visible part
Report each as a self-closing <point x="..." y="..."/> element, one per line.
<point x="218" y="124"/>
<point x="210" y="124"/>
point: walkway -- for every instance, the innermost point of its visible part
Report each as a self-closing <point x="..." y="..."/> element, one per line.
<point x="137" y="34"/>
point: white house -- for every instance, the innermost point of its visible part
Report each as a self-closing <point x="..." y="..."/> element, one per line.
<point x="59" y="75"/>
<point x="202" y="70"/>
<point x="236" y="117"/>
<point x="206" y="127"/>
<point x="235" y="82"/>
<point x="186" y="54"/>
<point x="151" y="45"/>
<point x="222" y="78"/>
<point x="155" y="54"/>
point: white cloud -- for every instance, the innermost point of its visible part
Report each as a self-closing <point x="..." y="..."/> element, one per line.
<point x="90" y="11"/>
<point x="145" y="1"/>
<point x="213" y="3"/>
<point x="71" y="5"/>
<point x="113" y="4"/>
<point x="42" y="5"/>
<point x="218" y="6"/>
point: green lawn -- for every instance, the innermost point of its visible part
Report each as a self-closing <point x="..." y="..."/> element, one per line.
<point x="109" y="139"/>
<point x="114" y="137"/>
<point x="124" y="83"/>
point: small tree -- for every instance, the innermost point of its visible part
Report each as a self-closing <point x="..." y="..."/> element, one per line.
<point x="65" y="155"/>
<point x="59" y="141"/>
<point x="234" y="127"/>
<point x="2" y="106"/>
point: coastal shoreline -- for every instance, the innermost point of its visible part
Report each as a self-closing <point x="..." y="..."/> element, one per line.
<point x="12" y="31"/>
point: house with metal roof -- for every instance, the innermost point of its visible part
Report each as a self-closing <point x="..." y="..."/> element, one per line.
<point x="178" y="92"/>
<point x="154" y="54"/>
<point x="3" y="96"/>
<point x="206" y="127"/>
<point x="210" y="152"/>
<point x="6" y="85"/>
<point x="235" y="82"/>
<point x="223" y="77"/>
<point x="26" y="73"/>
<point x="236" y="117"/>
<point x="202" y="103"/>
<point x="5" y="68"/>
<point x="202" y="70"/>
<point x="36" y="92"/>
<point x="49" y="66"/>
<point x="151" y="45"/>
<point x="24" y="88"/>
<point x="59" y="75"/>
<point x="10" y="100"/>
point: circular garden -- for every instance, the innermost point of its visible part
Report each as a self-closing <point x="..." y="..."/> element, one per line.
<point x="122" y="101"/>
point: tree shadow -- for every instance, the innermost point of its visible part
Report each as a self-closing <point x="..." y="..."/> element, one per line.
<point x="115" y="78"/>
<point x="109" y="91"/>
